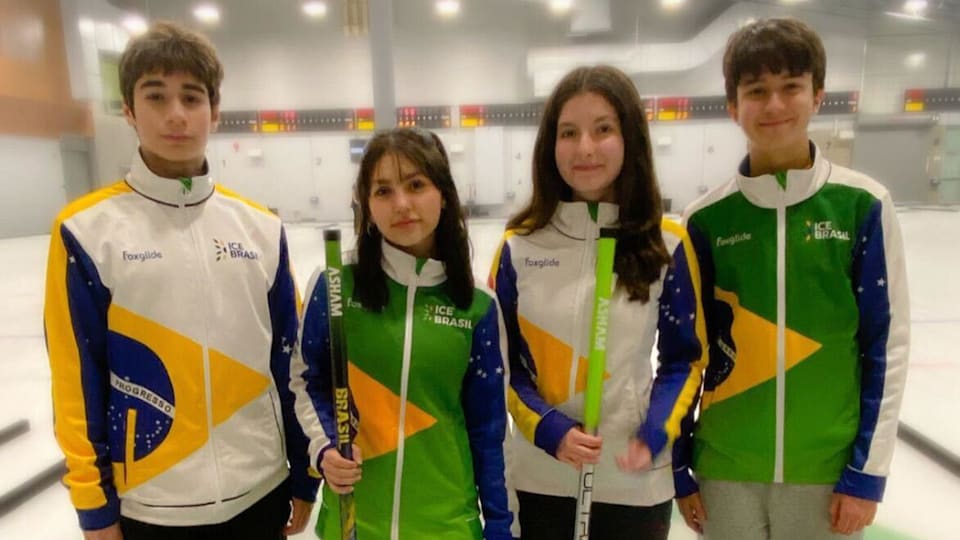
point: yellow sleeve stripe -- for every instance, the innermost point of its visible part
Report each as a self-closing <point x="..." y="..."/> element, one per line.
<point x="226" y="192"/>
<point x="525" y="418"/>
<point x="70" y="426"/>
<point x="692" y="386"/>
<point x="91" y="199"/>
<point x="495" y="265"/>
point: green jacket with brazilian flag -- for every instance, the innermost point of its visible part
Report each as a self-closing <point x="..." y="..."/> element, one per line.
<point x="428" y="382"/>
<point x="805" y="296"/>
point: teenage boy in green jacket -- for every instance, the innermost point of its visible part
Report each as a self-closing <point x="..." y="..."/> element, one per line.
<point x="805" y="296"/>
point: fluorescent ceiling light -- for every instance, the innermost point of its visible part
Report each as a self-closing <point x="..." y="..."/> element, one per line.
<point x="86" y="26"/>
<point x="915" y="7"/>
<point x="561" y="6"/>
<point x="135" y="24"/>
<point x="207" y="13"/>
<point x="901" y="15"/>
<point x="315" y="9"/>
<point x="915" y="60"/>
<point x="447" y="8"/>
<point x="671" y="4"/>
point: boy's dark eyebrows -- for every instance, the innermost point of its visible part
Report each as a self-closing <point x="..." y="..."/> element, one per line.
<point x="152" y="83"/>
<point x="159" y="83"/>
<point x="195" y="87"/>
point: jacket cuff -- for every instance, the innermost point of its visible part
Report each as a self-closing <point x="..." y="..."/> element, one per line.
<point x="654" y="438"/>
<point x="861" y="485"/>
<point x="683" y="482"/>
<point x="316" y="464"/>
<point x="100" y="518"/>
<point x="551" y="429"/>
<point x="489" y="534"/>
<point x="304" y="488"/>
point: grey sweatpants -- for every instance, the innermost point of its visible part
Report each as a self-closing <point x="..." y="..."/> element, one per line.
<point x="754" y="511"/>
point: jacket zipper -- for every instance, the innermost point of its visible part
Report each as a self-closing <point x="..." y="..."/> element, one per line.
<point x="781" y="334"/>
<point x="204" y="282"/>
<point x="404" y="385"/>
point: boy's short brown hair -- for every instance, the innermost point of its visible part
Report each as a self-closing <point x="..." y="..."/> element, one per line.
<point x="168" y="48"/>
<point x="774" y="45"/>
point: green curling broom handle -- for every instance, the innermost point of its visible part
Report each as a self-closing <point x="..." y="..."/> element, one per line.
<point x="606" y="247"/>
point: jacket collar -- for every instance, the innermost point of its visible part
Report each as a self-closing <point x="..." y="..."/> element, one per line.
<point x="166" y="190"/>
<point x="764" y="190"/>
<point x="573" y="218"/>
<point x="402" y="268"/>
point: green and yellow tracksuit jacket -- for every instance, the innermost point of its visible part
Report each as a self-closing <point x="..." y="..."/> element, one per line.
<point x="805" y="295"/>
<point x="428" y="382"/>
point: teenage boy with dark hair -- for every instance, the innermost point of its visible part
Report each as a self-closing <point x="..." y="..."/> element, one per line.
<point x="805" y="296"/>
<point x="170" y="316"/>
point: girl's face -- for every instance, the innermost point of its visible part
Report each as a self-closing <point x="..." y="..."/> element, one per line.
<point x="589" y="149"/>
<point x="405" y="205"/>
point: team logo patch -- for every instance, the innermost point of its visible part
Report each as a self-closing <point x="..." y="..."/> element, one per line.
<point x="444" y="316"/>
<point x="233" y="250"/>
<point x="824" y="230"/>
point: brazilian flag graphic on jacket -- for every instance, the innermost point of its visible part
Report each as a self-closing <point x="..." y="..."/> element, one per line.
<point x="805" y="293"/>
<point x="427" y="381"/>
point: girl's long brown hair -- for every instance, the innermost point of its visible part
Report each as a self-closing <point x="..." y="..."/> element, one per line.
<point x="426" y="152"/>
<point x="641" y="253"/>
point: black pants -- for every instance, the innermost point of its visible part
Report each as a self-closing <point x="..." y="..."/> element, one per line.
<point x="264" y="520"/>
<point x="545" y="517"/>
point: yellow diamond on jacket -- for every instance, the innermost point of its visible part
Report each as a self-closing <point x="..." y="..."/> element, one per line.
<point x="754" y="337"/>
<point x="379" y="410"/>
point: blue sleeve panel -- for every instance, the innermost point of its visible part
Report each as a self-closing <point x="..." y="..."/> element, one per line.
<point x="682" y="452"/>
<point x="284" y="315"/>
<point x="485" y="412"/>
<point x="536" y="419"/>
<point x="315" y="351"/>
<point x="75" y="327"/>
<point x="682" y="358"/>
<point x="870" y="287"/>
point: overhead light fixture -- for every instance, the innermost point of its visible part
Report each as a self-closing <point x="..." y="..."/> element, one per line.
<point x="560" y="7"/>
<point x="135" y="24"/>
<point x="671" y="4"/>
<point x="915" y="60"/>
<point x="915" y="7"/>
<point x="315" y="9"/>
<point x="909" y="17"/>
<point x="788" y="2"/>
<point x="86" y="26"/>
<point x="207" y="13"/>
<point x="447" y="8"/>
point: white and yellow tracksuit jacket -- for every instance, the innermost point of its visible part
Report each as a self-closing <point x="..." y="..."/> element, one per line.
<point x="170" y="316"/>
<point x="545" y="283"/>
